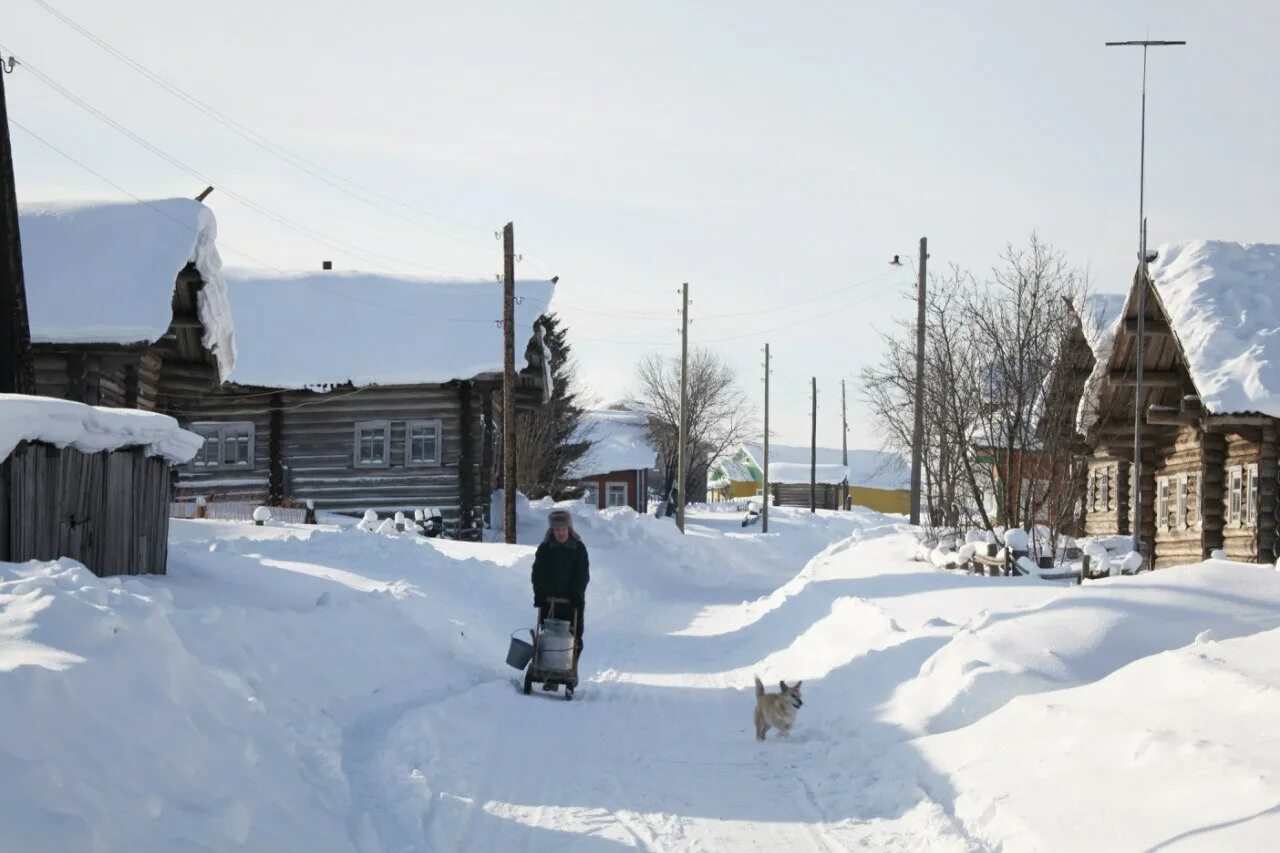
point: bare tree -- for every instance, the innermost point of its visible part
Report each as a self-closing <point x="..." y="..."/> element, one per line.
<point x="719" y="414"/>
<point x="1001" y="388"/>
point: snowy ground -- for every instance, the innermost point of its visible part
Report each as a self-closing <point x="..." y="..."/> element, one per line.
<point x="324" y="688"/>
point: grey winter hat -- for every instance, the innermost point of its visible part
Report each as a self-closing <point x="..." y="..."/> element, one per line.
<point x="560" y="518"/>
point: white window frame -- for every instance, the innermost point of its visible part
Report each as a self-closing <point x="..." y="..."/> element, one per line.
<point x="409" y="427"/>
<point x="217" y="432"/>
<point x="1235" y="485"/>
<point x="1090" y="492"/>
<point x="610" y="490"/>
<point x="1251" y="512"/>
<point x="591" y="494"/>
<point x="1200" y="501"/>
<point x="1105" y="497"/>
<point x="1180" y="517"/>
<point x="1162" y="503"/>
<point x="362" y="426"/>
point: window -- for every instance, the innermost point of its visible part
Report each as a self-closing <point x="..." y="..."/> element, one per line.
<point x="1105" y="497"/>
<point x="1180" y="517"/>
<point x="615" y="494"/>
<point x="1162" y="503"/>
<point x="422" y="443"/>
<point x="373" y="444"/>
<point x="1090" y="503"/>
<point x="226" y="445"/>
<point x="1234" y="495"/>
<point x="1251" y="514"/>
<point x="591" y="494"/>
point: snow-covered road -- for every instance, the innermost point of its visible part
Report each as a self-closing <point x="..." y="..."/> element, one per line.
<point x="294" y="688"/>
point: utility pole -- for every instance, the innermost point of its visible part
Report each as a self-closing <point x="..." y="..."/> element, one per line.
<point x="813" y="453"/>
<point x="683" y="430"/>
<point x="15" y="331"/>
<point x="844" y="436"/>
<point x="1139" y="394"/>
<point x="509" y="384"/>
<point x="917" y="433"/>
<point x="765" y="478"/>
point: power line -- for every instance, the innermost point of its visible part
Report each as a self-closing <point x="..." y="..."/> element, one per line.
<point x="276" y="149"/>
<point x="338" y="245"/>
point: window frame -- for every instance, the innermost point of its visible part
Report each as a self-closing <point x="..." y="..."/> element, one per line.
<point x="1104" y="496"/>
<point x="591" y="494"/>
<point x="1251" y="494"/>
<point x="1235" y="498"/>
<point x="360" y="426"/>
<point x="218" y="431"/>
<point x="1162" y="503"/>
<point x="609" y="487"/>
<point x="1180" y="505"/>
<point x="437" y="426"/>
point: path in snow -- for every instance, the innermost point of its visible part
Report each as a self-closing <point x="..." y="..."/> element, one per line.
<point x="672" y="766"/>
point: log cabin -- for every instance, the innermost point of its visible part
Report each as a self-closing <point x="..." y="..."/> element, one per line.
<point x="357" y="391"/>
<point x="1209" y="410"/>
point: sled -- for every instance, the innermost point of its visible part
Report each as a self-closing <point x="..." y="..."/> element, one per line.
<point x="552" y="664"/>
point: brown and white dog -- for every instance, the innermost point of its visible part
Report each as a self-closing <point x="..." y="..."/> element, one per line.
<point x="777" y="710"/>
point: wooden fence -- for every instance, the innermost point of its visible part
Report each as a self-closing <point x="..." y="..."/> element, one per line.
<point x="235" y="511"/>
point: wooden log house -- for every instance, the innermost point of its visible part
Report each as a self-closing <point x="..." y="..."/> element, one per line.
<point x="357" y="391"/>
<point x="1210" y="407"/>
<point x="622" y="462"/>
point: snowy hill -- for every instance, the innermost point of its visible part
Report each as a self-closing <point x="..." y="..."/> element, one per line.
<point x="325" y="688"/>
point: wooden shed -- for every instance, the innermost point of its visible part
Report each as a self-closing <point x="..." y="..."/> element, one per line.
<point x="357" y="391"/>
<point x="1210" y="407"/>
<point x="87" y="483"/>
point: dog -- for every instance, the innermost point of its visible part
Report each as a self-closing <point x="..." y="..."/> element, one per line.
<point x="777" y="710"/>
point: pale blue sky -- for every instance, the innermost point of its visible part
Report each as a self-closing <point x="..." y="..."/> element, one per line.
<point x="766" y="153"/>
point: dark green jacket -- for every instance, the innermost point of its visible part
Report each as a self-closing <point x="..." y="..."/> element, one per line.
<point x="561" y="571"/>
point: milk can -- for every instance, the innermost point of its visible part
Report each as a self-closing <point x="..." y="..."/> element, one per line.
<point x="555" y="645"/>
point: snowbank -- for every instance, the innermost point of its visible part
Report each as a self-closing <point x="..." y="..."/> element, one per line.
<point x="371" y="329"/>
<point x="1222" y="304"/>
<point x="104" y="272"/>
<point x="90" y="429"/>
<point x="792" y="473"/>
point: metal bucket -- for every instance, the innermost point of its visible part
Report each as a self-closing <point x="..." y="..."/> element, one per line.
<point x="555" y="645"/>
<point x="519" y="653"/>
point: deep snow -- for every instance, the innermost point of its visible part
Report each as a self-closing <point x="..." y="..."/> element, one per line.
<point x="328" y="688"/>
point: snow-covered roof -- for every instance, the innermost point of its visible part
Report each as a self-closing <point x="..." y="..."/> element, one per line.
<point x="326" y="328"/>
<point x="872" y="469"/>
<point x="619" y="442"/>
<point x="795" y="472"/>
<point x="1099" y="321"/>
<point x="90" y="429"/>
<point x="1222" y="300"/>
<point x="734" y="468"/>
<point x="104" y="272"/>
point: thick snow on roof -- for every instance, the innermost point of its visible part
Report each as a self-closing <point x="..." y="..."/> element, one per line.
<point x="1223" y="301"/>
<point x="734" y="468"/>
<point x="90" y="429"/>
<point x="104" y="272"/>
<point x="795" y="472"/>
<point x="1099" y="321"/>
<point x="872" y="469"/>
<point x="319" y="329"/>
<point x="619" y="442"/>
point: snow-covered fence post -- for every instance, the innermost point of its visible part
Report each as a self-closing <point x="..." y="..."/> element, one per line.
<point x="310" y="517"/>
<point x="202" y="507"/>
<point x="261" y="516"/>
<point x="399" y="522"/>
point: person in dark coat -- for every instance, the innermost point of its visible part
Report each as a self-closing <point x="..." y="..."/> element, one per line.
<point x="560" y="570"/>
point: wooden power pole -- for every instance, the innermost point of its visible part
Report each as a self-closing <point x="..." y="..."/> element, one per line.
<point x="917" y="432"/>
<point x="844" y="437"/>
<point x="509" y="384"/>
<point x="15" y="331"/>
<point x="813" y="453"/>
<point x="683" y="430"/>
<point x="764" y="512"/>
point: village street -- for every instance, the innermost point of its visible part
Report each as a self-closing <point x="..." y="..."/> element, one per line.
<point x="327" y="688"/>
